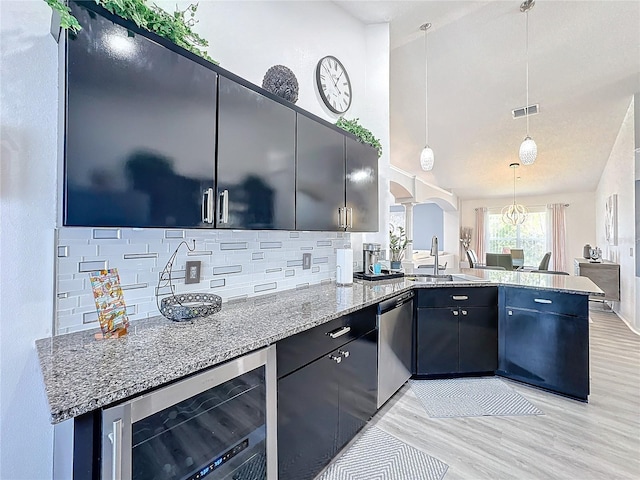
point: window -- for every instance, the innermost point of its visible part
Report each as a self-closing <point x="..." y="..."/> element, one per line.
<point x="531" y="236"/>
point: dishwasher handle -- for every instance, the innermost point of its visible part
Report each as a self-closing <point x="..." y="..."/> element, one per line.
<point x="394" y="302"/>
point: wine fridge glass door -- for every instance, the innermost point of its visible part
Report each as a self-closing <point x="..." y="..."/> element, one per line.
<point x="213" y="426"/>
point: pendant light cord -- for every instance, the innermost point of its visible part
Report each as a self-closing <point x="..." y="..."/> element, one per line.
<point x="514" y="185"/>
<point x="426" y="92"/>
<point x="526" y="108"/>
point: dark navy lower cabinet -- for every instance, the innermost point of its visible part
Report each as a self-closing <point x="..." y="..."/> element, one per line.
<point x="308" y="415"/>
<point x="461" y="338"/>
<point x="322" y="405"/>
<point x="544" y="340"/>
<point x="437" y="341"/>
<point x="478" y="339"/>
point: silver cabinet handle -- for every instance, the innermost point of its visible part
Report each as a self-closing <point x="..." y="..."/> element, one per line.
<point x="116" y="453"/>
<point x="460" y="297"/>
<point x="204" y="206"/>
<point x="542" y="300"/>
<point x="335" y="359"/>
<point x="223" y="216"/>
<point x="339" y="332"/>
<point x="455" y="312"/>
<point x="510" y="312"/>
<point x="464" y="312"/>
<point x="350" y="217"/>
<point x="344" y="353"/>
<point x="207" y="206"/>
<point x="342" y="224"/>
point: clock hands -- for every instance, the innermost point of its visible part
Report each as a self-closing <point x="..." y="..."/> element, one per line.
<point x="335" y="82"/>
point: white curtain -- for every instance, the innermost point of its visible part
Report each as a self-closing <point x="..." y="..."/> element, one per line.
<point x="481" y="220"/>
<point x="558" y="235"/>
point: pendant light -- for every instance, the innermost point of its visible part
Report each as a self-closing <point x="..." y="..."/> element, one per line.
<point x="426" y="156"/>
<point x="514" y="214"/>
<point x="528" y="148"/>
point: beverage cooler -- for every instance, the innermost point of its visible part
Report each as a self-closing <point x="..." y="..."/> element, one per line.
<point x="220" y="424"/>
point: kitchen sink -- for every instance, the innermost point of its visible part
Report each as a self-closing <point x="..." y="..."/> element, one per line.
<point x="430" y="278"/>
<point x="458" y="278"/>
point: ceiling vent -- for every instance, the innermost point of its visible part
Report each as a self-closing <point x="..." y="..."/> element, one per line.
<point x="524" y="111"/>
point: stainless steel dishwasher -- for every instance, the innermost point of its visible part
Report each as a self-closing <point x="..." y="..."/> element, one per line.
<point x="395" y="325"/>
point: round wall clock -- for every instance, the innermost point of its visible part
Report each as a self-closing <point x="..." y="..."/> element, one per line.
<point x="333" y="84"/>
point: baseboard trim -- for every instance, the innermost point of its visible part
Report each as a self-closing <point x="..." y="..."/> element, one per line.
<point x="629" y="324"/>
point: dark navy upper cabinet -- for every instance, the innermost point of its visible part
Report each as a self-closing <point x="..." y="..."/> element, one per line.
<point x="158" y="137"/>
<point x="320" y="177"/>
<point x="362" y="187"/>
<point x="140" y="131"/>
<point x="256" y="160"/>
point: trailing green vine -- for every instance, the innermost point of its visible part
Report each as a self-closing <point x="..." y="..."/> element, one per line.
<point x="176" y="26"/>
<point x="67" y="21"/>
<point x="365" y="136"/>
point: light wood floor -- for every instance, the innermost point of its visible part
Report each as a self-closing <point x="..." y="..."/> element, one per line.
<point x="573" y="440"/>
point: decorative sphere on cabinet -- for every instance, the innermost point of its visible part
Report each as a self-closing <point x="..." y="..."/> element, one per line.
<point x="282" y="82"/>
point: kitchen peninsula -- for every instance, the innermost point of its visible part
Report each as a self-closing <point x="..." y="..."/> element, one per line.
<point x="81" y="374"/>
<point x="98" y="382"/>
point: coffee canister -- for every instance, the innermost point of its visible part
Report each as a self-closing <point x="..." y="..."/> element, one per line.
<point x="586" y="251"/>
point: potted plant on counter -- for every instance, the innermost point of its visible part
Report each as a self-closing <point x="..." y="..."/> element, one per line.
<point x="398" y="243"/>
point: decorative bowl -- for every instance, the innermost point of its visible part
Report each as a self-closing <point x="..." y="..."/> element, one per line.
<point x="186" y="306"/>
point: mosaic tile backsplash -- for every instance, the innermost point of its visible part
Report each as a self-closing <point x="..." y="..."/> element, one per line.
<point x="234" y="265"/>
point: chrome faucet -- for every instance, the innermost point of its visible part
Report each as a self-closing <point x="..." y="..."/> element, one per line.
<point x="434" y="253"/>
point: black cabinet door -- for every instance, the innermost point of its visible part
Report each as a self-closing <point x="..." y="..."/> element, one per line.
<point x="437" y="341"/>
<point x="320" y="177"/>
<point x="308" y="419"/>
<point x="358" y="385"/>
<point x="548" y="350"/>
<point x="256" y="160"/>
<point x="140" y="130"/>
<point x="362" y="187"/>
<point x="478" y="333"/>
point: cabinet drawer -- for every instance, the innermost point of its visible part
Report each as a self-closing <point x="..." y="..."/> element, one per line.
<point x="545" y="301"/>
<point x="458" y="297"/>
<point x="300" y="349"/>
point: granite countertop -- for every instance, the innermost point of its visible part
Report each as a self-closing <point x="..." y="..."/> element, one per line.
<point x="82" y="374"/>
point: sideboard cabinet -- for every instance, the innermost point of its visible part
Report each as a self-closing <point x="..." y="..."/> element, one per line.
<point x="604" y="274"/>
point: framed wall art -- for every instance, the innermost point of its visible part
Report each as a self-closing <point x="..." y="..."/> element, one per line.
<point x="611" y="220"/>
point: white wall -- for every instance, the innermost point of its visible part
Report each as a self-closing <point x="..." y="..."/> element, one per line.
<point x="27" y="220"/>
<point x="580" y="218"/>
<point x="376" y="115"/>
<point x="618" y="178"/>
<point x="247" y="38"/>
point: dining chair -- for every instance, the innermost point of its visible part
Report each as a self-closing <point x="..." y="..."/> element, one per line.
<point x="517" y="257"/>
<point x="544" y="263"/>
<point x="499" y="260"/>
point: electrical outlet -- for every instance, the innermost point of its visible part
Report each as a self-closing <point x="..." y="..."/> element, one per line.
<point x="306" y="261"/>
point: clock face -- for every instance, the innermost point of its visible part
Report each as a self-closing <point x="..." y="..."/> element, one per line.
<point x="333" y="84"/>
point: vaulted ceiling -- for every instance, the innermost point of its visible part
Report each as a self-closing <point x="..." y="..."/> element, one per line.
<point x="584" y="68"/>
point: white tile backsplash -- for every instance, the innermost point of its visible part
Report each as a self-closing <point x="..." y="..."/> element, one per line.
<point x="235" y="265"/>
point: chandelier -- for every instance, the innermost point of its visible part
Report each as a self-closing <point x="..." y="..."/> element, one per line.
<point x="514" y="214"/>
<point x="426" y="156"/>
<point x="528" y="149"/>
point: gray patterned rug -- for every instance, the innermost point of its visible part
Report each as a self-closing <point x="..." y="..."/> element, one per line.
<point x="471" y="397"/>
<point x="377" y="455"/>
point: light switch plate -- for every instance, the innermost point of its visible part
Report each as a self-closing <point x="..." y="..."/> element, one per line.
<point x="306" y="261"/>
<point x="192" y="271"/>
